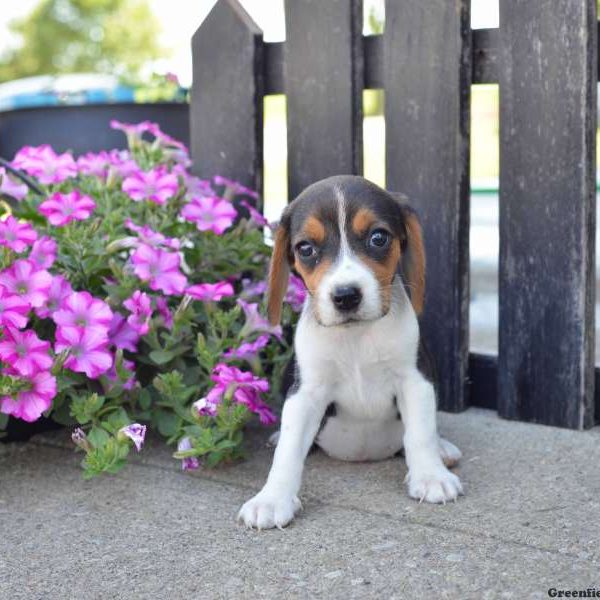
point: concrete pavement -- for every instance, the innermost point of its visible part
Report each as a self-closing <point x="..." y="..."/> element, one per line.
<point x="530" y="521"/>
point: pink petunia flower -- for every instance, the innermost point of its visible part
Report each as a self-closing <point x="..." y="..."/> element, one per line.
<point x="11" y="187"/>
<point x="136" y="433"/>
<point x="16" y="235"/>
<point x="207" y="406"/>
<point x="30" y="404"/>
<point x="160" y="269"/>
<point x="81" y="310"/>
<point x="247" y="390"/>
<point x="196" y="187"/>
<point x="210" y="214"/>
<point x="256" y="322"/>
<point x="121" y="164"/>
<point x="235" y="186"/>
<point x="255" y="216"/>
<point x="60" y="289"/>
<point x="112" y="377"/>
<point x="153" y="238"/>
<point x="94" y="164"/>
<point x="13" y="310"/>
<point x="88" y="350"/>
<point x="253" y="288"/>
<point x="162" y="307"/>
<point x="24" y="280"/>
<point x="296" y="293"/>
<point x="24" y="352"/>
<point x="133" y="131"/>
<point x="43" y="252"/>
<point x="248" y="350"/>
<point x="141" y="310"/>
<point x="122" y="335"/>
<point x="45" y="165"/>
<point x="189" y="463"/>
<point x="157" y="185"/>
<point x="61" y="209"/>
<point x="210" y="292"/>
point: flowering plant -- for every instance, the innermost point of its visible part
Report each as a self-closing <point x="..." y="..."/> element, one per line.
<point x="129" y="298"/>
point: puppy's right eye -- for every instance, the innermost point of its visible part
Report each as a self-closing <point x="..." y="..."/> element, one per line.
<point x="305" y="249"/>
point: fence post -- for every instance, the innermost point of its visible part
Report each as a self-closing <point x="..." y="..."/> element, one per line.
<point x="548" y="76"/>
<point x="324" y="82"/>
<point x="427" y="74"/>
<point x="226" y="111"/>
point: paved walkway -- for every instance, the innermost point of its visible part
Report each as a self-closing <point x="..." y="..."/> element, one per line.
<point x="530" y="521"/>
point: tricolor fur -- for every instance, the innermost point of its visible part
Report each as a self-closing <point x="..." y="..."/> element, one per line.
<point x="360" y="253"/>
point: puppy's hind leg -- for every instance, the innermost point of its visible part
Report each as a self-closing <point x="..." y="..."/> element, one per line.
<point x="449" y="452"/>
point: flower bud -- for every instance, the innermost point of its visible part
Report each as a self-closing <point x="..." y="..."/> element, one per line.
<point x="80" y="440"/>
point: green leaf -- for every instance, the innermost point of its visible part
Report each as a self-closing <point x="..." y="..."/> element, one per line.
<point x="145" y="399"/>
<point x="98" y="437"/>
<point x="162" y="357"/>
<point x="166" y="422"/>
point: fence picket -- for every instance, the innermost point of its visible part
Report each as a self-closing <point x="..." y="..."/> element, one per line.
<point x="547" y="211"/>
<point x="227" y="96"/>
<point x="427" y="74"/>
<point x="323" y="81"/>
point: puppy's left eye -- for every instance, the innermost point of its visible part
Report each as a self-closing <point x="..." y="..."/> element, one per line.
<point x="379" y="238"/>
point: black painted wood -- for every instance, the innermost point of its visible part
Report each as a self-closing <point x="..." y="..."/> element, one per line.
<point x="547" y="211"/>
<point x="485" y="50"/>
<point x="274" y="67"/>
<point x="226" y="111"/>
<point x="324" y="82"/>
<point x="373" y="49"/>
<point x="485" y="55"/>
<point x="427" y="88"/>
<point x="482" y="382"/>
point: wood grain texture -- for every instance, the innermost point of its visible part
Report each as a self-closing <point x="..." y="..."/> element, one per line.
<point x="226" y="111"/>
<point x="427" y="74"/>
<point x="547" y="211"/>
<point x="323" y="81"/>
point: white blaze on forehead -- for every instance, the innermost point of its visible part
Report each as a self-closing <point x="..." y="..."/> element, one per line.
<point x="347" y="270"/>
<point x="344" y="245"/>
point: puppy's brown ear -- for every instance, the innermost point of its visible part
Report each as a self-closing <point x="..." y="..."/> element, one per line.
<point x="413" y="259"/>
<point x="413" y="253"/>
<point x="279" y="272"/>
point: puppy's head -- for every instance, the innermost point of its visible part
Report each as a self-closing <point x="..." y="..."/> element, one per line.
<point x="347" y="239"/>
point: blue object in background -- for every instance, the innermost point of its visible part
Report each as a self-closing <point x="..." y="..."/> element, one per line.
<point x="55" y="90"/>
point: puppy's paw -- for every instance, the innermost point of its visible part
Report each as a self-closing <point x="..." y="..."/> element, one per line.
<point x="435" y="484"/>
<point x="449" y="453"/>
<point x="267" y="510"/>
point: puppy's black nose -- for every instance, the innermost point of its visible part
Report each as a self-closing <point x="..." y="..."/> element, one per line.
<point x="346" y="298"/>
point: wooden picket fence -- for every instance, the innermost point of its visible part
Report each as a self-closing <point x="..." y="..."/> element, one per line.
<point x="544" y="57"/>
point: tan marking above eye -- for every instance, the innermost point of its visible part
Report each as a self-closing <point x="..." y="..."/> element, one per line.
<point x="362" y="221"/>
<point x="314" y="229"/>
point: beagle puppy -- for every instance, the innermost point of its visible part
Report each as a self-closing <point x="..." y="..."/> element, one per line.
<point x="359" y="394"/>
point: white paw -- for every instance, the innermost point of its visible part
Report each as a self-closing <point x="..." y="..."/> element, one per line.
<point x="449" y="453"/>
<point x="434" y="484"/>
<point x="267" y="510"/>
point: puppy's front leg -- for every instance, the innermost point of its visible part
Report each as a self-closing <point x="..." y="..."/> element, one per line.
<point x="428" y="479"/>
<point x="276" y="504"/>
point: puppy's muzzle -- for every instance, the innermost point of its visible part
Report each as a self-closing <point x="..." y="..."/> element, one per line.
<point x="346" y="298"/>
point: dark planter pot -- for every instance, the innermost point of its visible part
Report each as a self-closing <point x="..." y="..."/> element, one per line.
<point x="85" y="128"/>
<point x="79" y="129"/>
